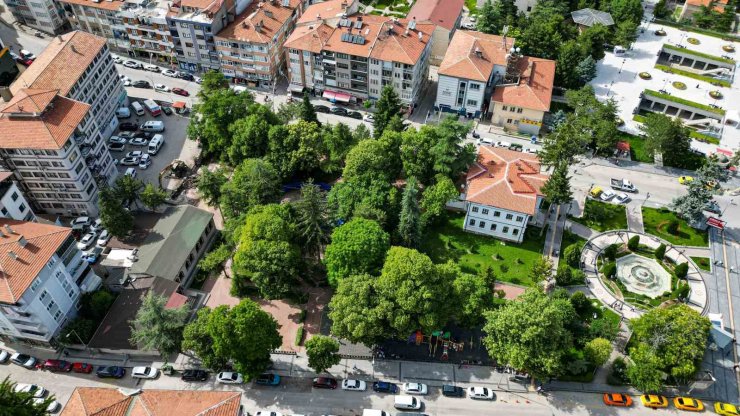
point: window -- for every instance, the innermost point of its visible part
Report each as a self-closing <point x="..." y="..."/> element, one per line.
<point x="22" y="208"/>
<point x="472" y="102"/>
<point x="515" y="231"/>
<point x="482" y="224"/>
<point x="519" y="218"/>
<point x="4" y="212"/>
<point x="504" y="108"/>
<point x="505" y="230"/>
<point x="497" y="213"/>
<point x="493" y="227"/>
<point x="485" y="211"/>
<point x="519" y="110"/>
<point x="35" y="285"/>
<point x="475" y="87"/>
<point x="508" y="121"/>
<point x="509" y="216"/>
<point x="472" y="222"/>
<point x="474" y="209"/>
<point x="529" y="9"/>
<point x="14" y="197"/>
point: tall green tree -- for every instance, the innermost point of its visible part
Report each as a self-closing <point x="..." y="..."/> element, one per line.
<point x="541" y="36"/>
<point x="557" y="187"/>
<point x="312" y="214"/>
<point x="594" y="38"/>
<point x="541" y="270"/>
<point x="625" y="34"/>
<point x="586" y="69"/>
<point x="308" y="113"/>
<point x="254" y="182"/>
<point x="388" y="106"/>
<point x="598" y="350"/>
<point x="532" y="333"/>
<point x="128" y="189"/>
<point x="21" y="404"/>
<point x="474" y="294"/>
<point x="296" y="149"/>
<point x="338" y="140"/>
<point x="435" y="198"/>
<point x="570" y="55"/>
<point x="214" y="260"/>
<point x="621" y="10"/>
<point x="209" y="185"/>
<point x="213" y="81"/>
<point x="197" y="339"/>
<point x="357" y="247"/>
<point x="488" y="19"/>
<point x="667" y="136"/>
<point x="409" y="224"/>
<point x="250" y="135"/>
<point x="322" y="352"/>
<point x="244" y="334"/>
<point x="157" y="327"/>
<point x="119" y="222"/>
<point x="373" y="159"/>
<point x="354" y="313"/>
<point x="152" y="196"/>
<point x="645" y="372"/>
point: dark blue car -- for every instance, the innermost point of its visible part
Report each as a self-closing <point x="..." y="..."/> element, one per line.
<point x="385" y="387"/>
<point x="110" y="372"/>
<point x="268" y="379"/>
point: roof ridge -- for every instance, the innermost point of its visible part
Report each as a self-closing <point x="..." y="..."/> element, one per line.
<point x="233" y="395"/>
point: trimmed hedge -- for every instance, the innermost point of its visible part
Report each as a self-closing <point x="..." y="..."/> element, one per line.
<point x="681" y="270"/>
<point x="660" y="252"/>
<point x="683" y="101"/>
<point x="633" y="243"/>
<point x="299" y="336"/>
<point x="678" y="71"/>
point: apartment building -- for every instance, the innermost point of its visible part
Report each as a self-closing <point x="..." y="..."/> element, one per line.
<point x="446" y="15"/>
<point x="353" y="61"/>
<point x="193" y="24"/>
<point x="44" y="15"/>
<point x="145" y="23"/>
<point x="251" y="47"/>
<point x="43" y="278"/>
<point x="92" y="79"/>
<point x="100" y="18"/>
<point x="55" y="149"/>
<point x="12" y="202"/>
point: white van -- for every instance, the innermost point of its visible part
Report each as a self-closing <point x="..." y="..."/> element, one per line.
<point x="152" y="126"/>
<point x="407" y="403"/>
<point x="155" y="144"/>
<point x="123" y="112"/>
<point x="138" y="108"/>
<point x="130" y="172"/>
<point x="373" y="412"/>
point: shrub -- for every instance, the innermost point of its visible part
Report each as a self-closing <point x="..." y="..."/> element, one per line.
<point x="672" y="227"/>
<point x="660" y="252"/>
<point x="580" y="302"/>
<point x="563" y="277"/>
<point x="618" y="375"/>
<point x="577" y="276"/>
<point x="603" y="328"/>
<point x="597" y="351"/>
<point x="302" y="316"/>
<point x="299" y="336"/>
<point x="609" y="270"/>
<point x="681" y="270"/>
<point x="504" y="268"/>
<point x="633" y="243"/>
<point x="572" y="255"/>
<point x="611" y="251"/>
<point x="683" y="291"/>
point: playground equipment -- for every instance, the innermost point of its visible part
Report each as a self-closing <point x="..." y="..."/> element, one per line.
<point x="435" y="339"/>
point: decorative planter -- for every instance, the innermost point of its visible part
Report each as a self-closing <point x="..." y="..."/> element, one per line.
<point x="679" y="85"/>
<point x="715" y="94"/>
<point x="728" y="48"/>
<point x="645" y="75"/>
<point x="693" y="41"/>
<point x="660" y="32"/>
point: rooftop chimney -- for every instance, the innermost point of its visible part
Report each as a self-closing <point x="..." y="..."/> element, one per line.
<point x="6" y="94"/>
<point x="421" y="35"/>
<point x="22" y="241"/>
<point x="8" y="229"/>
<point x="2" y="234"/>
<point x="478" y="52"/>
<point x="12" y="255"/>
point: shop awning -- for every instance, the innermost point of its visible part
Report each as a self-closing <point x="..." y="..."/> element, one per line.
<point x="329" y="95"/>
<point x="342" y="97"/>
<point x="179" y="104"/>
<point x="716" y="223"/>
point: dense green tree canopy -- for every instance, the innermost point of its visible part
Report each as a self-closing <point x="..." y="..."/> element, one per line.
<point x="20" y="404"/>
<point x="357" y="247"/>
<point x="157" y="327"/>
<point x="197" y="339"/>
<point x="254" y="182"/>
<point x="116" y="220"/>
<point x="387" y="107"/>
<point x="667" y="136"/>
<point x="322" y="352"/>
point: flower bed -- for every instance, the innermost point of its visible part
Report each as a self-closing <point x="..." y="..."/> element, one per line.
<point x="645" y="75"/>
<point x="715" y="94"/>
<point x="693" y="41"/>
<point x="660" y="32"/>
<point x="679" y="85"/>
<point x="728" y="48"/>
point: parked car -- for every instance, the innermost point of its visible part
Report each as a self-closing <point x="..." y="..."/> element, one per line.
<point x="369" y="117"/>
<point x="116" y="147"/>
<point x="86" y="241"/>
<point x="622" y="198"/>
<point x="110" y="371"/>
<point x="321" y="108"/>
<point x="144" y="372"/>
<point x="141" y="84"/>
<point x="385" y="387"/>
<point x="185" y="76"/>
<point x="93" y="255"/>
<point x="123" y="112"/>
<point x="167" y="110"/>
<point x="104" y="238"/>
<point x="354" y="385"/>
<point x="180" y="91"/>
<point x="503" y="144"/>
<point x="414" y="388"/>
<point x="139" y="141"/>
<point x="161" y="88"/>
<point x="194" y="375"/>
<point x="128" y="135"/>
<point x="130" y="172"/>
<point x="57" y="365"/>
<point x="132" y="65"/>
<point x="97" y="225"/>
<point x="617" y="399"/>
<point x="117" y="139"/>
<point x="607" y="194"/>
<point x="116" y="59"/>
<point x="4" y="356"/>
<point x="151" y="68"/>
<point x="197" y="80"/>
<point x="688" y="404"/>
<point x="83" y="368"/>
<point x="53" y="406"/>
<point x="339" y="111"/>
<point x="268" y="379"/>
<point x="128" y="127"/>
<point x="170" y="73"/>
<point x="135" y="153"/>
<point x="480" y="393"/>
<point x="726" y="409"/>
<point x="355" y="114"/>
<point x="145" y="161"/>
<point x="229" y="377"/>
<point x="23" y="360"/>
<point x="453" y="391"/>
<point x="654" y="401"/>
<point x="325" y="383"/>
<point x="33" y="389"/>
<point x="80" y="221"/>
<point x="27" y="54"/>
<point x="129" y="161"/>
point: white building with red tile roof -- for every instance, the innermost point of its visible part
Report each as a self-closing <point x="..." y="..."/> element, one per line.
<point x="502" y="193"/>
<point x="42" y="275"/>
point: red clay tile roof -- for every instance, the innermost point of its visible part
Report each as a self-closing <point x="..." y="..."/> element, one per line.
<point x="324" y="10"/>
<point x="534" y="90"/>
<point x="99" y="401"/>
<point x="53" y="68"/>
<point x="505" y="179"/>
<point x="309" y="37"/>
<point x="42" y="241"/>
<point x="29" y="122"/>
<point x="440" y="12"/>
<point x="269" y="17"/>
<point x="719" y="5"/>
<point x="112" y="5"/>
<point x="461" y="60"/>
<point x="401" y="44"/>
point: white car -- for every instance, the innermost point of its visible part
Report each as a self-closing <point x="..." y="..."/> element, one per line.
<point x="135" y="153"/>
<point x="97" y="225"/>
<point x="130" y="172"/>
<point x="53" y="407"/>
<point x="151" y="68"/>
<point x="531" y="150"/>
<point x="144" y="372"/>
<point x="145" y="161"/>
<point x="354" y="385"/>
<point x="104" y="238"/>
<point x="86" y="241"/>
<point x="124" y="78"/>
<point x="80" y="221"/>
<point x="229" y="377"/>
<point x="622" y="198"/>
<point x="127" y="83"/>
<point x="369" y="117"/>
<point x="198" y="80"/>
<point x="267" y="413"/>
<point x="480" y="393"/>
<point x="132" y="64"/>
<point x="32" y="389"/>
<point x="503" y="144"/>
<point x="161" y="88"/>
<point x="117" y="59"/>
<point x="170" y="73"/>
<point x="607" y="194"/>
<point x="4" y="356"/>
<point x="414" y="388"/>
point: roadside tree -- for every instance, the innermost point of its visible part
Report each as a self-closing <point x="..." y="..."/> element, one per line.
<point x="157" y="327"/>
<point x="322" y="352"/>
<point x="13" y="403"/>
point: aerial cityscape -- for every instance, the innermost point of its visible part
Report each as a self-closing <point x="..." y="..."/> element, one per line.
<point x="369" y="207"/>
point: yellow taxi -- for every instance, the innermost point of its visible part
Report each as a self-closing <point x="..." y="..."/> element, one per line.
<point x="595" y="191"/>
<point x="687" y="403"/>
<point x="684" y="180"/>
<point x="653" y="400"/>
<point x="726" y="409"/>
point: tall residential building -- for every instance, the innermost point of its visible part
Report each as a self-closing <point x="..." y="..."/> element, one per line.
<point x="356" y="59"/>
<point x="80" y="66"/>
<point x="446" y="15"/>
<point x="12" y="202"/>
<point x="101" y="18"/>
<point x="42" y="280"/>
<point x="44" y="15"/>
<point x="193" y="24"/>
<point x="55" y="149"/>
<point x="150" y="39"/>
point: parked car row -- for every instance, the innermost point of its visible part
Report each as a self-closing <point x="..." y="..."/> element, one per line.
<point x="511" y="146"/>
<point x="339" y="111"/>
<point x="655" y="401"/>
<point x="128" y="63"/>
<point x="605" y="195"/>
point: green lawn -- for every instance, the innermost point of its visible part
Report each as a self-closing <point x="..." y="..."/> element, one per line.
<point x="471" y="5"/>
<point x="603" y="216"/>
<point x="473" y="252"/>
<point x="637" y="147"/>
<point x="702" y="262"/>
<point x="656" y="221"/>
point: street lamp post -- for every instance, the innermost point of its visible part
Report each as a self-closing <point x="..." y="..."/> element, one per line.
<point x="732" y="202"/>
<point x="78" y="337"/>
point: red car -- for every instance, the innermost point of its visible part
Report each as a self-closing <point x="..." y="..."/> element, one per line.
<point x="57" y="365"/>
<point x="180" y="91"/>
<point x="325" y="383"/>
<point x="82" y="368"/>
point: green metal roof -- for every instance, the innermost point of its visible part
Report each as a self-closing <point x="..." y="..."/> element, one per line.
<point x="169" y="243"/>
